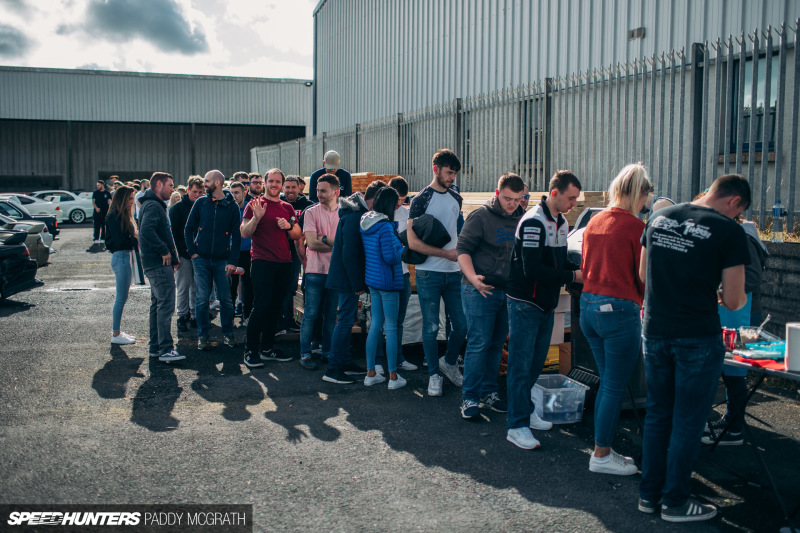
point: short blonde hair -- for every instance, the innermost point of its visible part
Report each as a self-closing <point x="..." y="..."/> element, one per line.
<point x="631" y="184"/>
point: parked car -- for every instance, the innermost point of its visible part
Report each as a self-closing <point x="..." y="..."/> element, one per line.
<point x="17" y="269"/>
<point x="39" y="252"/>
<point x="76" y="208"/>
<point x="16" y="211"/>
<point x="36" y="206"/>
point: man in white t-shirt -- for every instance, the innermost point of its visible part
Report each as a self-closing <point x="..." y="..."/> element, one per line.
<point x="439" y="277"/>
<point x="319" y="228"/>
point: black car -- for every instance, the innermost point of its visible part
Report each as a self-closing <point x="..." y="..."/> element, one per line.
<point x="17" y="212"/>
<point x="17" y="269"/>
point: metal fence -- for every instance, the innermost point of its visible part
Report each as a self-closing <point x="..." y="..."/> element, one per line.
<point x="688" y="115"/>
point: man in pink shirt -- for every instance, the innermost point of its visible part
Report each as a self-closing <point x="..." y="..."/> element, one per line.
<point x="319" y="228"/>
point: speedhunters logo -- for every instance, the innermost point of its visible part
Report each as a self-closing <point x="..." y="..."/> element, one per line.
<point x="159" y="518"/>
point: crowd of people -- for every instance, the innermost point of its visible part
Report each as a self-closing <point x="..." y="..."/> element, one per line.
<point x="498" y="274"/>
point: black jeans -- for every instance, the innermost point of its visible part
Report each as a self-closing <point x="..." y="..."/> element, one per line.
<point x="270" y="283"/>
<point x="247" y="284"/>
<point x="99" y="225"/>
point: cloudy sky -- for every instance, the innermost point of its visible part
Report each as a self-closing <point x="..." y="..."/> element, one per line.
<point x="262" y="38"/>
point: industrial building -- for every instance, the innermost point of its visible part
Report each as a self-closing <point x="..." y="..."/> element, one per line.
<point x="67" y="128"/>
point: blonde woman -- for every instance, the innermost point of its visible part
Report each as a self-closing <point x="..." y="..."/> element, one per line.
<point x="120" y="240"/>
<point x="174" y="199"/>
<point x="611" y="305"/>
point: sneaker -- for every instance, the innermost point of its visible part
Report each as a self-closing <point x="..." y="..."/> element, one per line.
<point x="171" y="355"/>
<point x="281" y="332"/>
<point x="323" y="357"/>
<point x="203" y="343"/>
<point x="538" y="423"/>
<point x="715" y="425"/>
<point x="154" y="355"/>
<point x="435" y="385"/>
<point x="352" y="369"/>
<point x="691" y="511"/>
<point x="612" y="464"/>
<point x="398" y="383"/>
<point x="405" y="365"/>
<point x="316" y="348"/>
<point x="308" y="363"/>
<point x="238" y="310"/>
<point x="374" y="380"/>
<point x="649" y="507"/>
<point x="274" y="355"/>
<point x="522" y="438"/>
<point x="244" y="322"/>
<point x="470" y="410"/>
<point x="183" y="323"/>
<point x="338" y="377"/>
<point x="494" y="403"/>
<point x="229" y="341"/>
<point x="293" y="328"/>
<point x="122" y="338"/>
<point x="214" y="305"/>
<point x="379" y="369"/>
<point x="251" y="361"/>
<point x="729" y="439"/>
<point x="96" y="241"/>
<point x="452" y="372"/>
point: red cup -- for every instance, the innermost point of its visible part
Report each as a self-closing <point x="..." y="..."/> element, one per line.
<point x="729" y="338"/>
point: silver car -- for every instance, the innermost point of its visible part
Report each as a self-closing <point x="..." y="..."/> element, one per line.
<point x="76" y="208"/>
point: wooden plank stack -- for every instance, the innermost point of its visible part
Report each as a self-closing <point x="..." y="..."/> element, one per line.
<point x="361" y="180"/>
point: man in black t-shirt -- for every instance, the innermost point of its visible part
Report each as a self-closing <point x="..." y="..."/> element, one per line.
<point x="688" y="250"/>
<point x="100" y="200"/>
<point x="331" y="164"/>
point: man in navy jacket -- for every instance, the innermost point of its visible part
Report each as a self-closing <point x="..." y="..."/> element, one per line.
<point x="213" y="241"/>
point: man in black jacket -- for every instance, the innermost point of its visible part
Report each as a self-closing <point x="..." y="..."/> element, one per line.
<point x="159" y="260"/>
<point x="539" y="268"/>
<point x="346" y="276"/>
<point x="213" y="241"/>
<point x="184" y="276"/>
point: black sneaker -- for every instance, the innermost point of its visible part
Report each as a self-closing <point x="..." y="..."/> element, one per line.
<point x="183" y="323"/>
<point x="649" y="507"/>
<point x="250" y="361"/>
<point x="237" y="311"/>
<point x="715" y="425"/>
<point x="691" y="511"/>
<point x="229" y="341"/>
<point x="308" y="363"/>
<point x="729" y="439"/>
<point x="274" y="355"/>
<point x="352" y="369"/>
<point x="470" y="410"/>
<point x="338" y="377"/>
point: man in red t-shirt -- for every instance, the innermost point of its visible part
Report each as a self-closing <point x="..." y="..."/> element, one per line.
<point x="267" y="220"/>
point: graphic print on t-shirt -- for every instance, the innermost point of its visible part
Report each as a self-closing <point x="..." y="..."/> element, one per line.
<point x="680" y="234"/>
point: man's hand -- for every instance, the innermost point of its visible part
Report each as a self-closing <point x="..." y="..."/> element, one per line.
<point x="177" y="265"/>
<point x="283" y="224"/>
<point x="483" y="288"/>
<point x="258" y="210"/>
<point x="166" y="260"/>
<point x="195" y="255"/>
<point x="96" y="209"/>
<point x="230" y="269"/>
<point x="452" y="255"/>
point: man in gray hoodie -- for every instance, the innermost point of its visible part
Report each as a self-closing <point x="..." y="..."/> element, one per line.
<point x="159" y="259"/>
<point x="484" y="248"/>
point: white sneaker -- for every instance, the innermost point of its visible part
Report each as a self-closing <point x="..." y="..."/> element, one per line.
<point x="612" y="463"/>
<point x="374" y="380"/>
<point x="379" y="369"/>
<point x="538" y="423"/>
<point x="172" y="355"/>
<point x="452" y="372"/>
<point x="435" y="385"/>
<point x="405" y="365"/>
<point x="215" y="305"/>
<point x="398" y="383"/>
<point x="522" y="438"/>
<point x="122" y="338"/>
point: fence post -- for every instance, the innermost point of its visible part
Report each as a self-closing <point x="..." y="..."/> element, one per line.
<point x="547" y="156"/>
<point x="358" y="129"/>
<point x="459" y="149"/>
<point x="299" y="157"/>
<point x="399" y="143"/>
<point x="324" y="138"/>
<point x="696" y="112"/>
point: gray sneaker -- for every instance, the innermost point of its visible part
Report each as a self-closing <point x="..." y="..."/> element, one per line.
<point x="452" y="372"/>
<point x="691" y="511"/>
<point x="435" y="385"/>
<point x="203" y="343"/>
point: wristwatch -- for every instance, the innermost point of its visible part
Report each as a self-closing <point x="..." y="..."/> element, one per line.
<point x="324" y="239"/>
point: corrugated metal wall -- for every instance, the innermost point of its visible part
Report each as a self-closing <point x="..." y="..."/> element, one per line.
<point x="376" y="59"/>
<point x="32" y="148"/>
<point x="102" y="96"/>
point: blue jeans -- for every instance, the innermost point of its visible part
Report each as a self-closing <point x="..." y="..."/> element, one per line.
<point x="340" y="341"/>
<point x="121" y="265"/>
<point x="405" y="295"/>
<point x="204" y="271"/>
<point x="682" y="376"/>
<point x="487" y="328"/>
<point x="313" y="300"/>
<point x="431" y="287"/>
<point x="529" y="332"/>
<point x="615" y="338"/>
<point x="385" y="309"/>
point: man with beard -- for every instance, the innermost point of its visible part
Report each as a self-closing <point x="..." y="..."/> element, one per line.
<point x="213" y="240"/>
<point x="159" y="260"/>
<point x="439" y="277"/>
<point x="268" y="220"/>
<point x="299" y="202"/>
<point x="256" y="187"/>
<point x="184" y="276"/>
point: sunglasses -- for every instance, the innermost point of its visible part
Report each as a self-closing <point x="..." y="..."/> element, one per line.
<point x="526" y="196"/>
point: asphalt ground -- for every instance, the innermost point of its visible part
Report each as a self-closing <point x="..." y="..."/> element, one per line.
<point x="82" y="421"/>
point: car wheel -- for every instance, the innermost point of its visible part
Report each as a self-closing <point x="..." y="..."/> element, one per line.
<point x="77" y="216"/>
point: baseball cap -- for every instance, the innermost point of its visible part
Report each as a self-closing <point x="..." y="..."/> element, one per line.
<point x="332" y="159"/>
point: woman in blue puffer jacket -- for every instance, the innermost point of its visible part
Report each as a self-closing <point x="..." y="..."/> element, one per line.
<point x="384" y="277"/>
